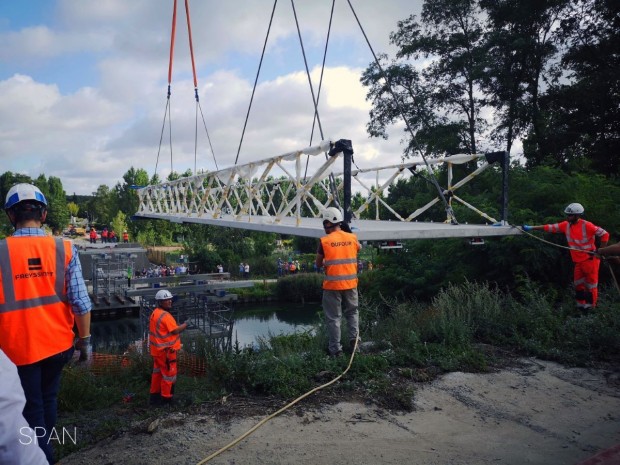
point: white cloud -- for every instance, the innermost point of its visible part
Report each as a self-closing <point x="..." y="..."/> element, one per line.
<point x="107" y="113"/>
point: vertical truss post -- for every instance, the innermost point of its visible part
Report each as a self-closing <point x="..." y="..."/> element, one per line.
<point x="505" y="166"/>
<point x="345" y="146"/>
<point x="502" y="157"/>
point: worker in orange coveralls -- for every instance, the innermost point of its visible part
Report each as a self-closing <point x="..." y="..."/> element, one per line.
<point x="582" y="237"/>
<point x="164" y="342"/>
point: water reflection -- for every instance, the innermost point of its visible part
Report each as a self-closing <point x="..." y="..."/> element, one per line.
<point x="261" y="321"/>
<point x="115" y="335"/>
<point x="252" y="322"/>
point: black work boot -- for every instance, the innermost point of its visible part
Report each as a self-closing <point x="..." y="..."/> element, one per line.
<point x="155" y="400"/>
<point x="167" y="400"/>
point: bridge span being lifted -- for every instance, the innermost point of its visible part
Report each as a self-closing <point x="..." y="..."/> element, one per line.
<point x="276" y="195"/>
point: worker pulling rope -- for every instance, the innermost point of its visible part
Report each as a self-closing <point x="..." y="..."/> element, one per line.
<point x="604" y="259"/>
<point x="286" y="407"/>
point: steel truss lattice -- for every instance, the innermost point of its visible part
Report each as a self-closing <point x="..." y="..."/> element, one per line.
<point x="276" y="195"/>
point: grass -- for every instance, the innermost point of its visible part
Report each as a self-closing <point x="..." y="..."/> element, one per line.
<point x="260" y="291"/>
<point x="412" y="341"/>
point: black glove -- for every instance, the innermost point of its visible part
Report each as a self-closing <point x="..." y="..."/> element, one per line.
<point x="85" y="347"/>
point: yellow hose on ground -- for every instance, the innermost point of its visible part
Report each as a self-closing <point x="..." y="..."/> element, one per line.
<point x="287" y="406"/>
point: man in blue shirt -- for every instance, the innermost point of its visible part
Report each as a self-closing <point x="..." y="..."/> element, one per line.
<point x="43" y="295"/>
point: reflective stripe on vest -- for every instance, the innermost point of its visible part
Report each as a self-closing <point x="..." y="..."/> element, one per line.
<point x="10" y="302"/>
<point x="577" y="237"/>
<point x="36" y="321"/>
<point x="340" y="252"/>
<point x="581" y="243"/>
<point x="160" y="341"/>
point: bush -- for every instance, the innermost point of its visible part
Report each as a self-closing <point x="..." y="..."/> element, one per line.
<point x="412" y="341"/>
<point x="302" y="287"/>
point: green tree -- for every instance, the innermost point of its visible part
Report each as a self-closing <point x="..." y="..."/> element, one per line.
<point x="101" y="206"/>
<point x="119" y="224"/>
<point x="8" y="180"/>
<point x="442" y="103"/>
<point x="582" y="121"/>
<point x="538" y="195"/>
<point x="57" y="211"/>
<point x="127" y="199"/>
<point x="520" y="51"/>
<point x="73" y="208"/>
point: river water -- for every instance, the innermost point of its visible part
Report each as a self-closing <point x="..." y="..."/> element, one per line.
<point x="261" y="320"/>
<point x="252" y="322"/>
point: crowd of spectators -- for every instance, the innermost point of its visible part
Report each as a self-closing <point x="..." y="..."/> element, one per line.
<point x="156" y="271"/>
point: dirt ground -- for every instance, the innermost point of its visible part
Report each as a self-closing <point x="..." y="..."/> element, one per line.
<point x="533" y="412"/>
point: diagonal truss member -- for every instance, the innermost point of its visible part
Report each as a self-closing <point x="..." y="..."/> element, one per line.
<point x="273" y="195"/>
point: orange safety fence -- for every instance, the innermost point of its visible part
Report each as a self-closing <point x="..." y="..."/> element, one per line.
<point x="188" y="364"/>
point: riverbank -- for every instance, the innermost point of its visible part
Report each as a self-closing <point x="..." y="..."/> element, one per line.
<point x="405" y="346"/>
<point x="531" y="412"/>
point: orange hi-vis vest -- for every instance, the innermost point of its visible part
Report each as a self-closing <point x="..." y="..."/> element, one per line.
<point x="340" y="260"/>
<point x="579" y="236"/>
<point x="161" y="324"/>
<point x="36" y="320"/>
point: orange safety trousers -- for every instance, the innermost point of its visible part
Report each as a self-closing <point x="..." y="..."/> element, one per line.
<point x="586" y="281"/>
<point x="164" y="373"/>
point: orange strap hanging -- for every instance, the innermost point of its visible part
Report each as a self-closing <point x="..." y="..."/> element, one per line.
<point x="191" y="47"/>
<point x="172" y="34"/>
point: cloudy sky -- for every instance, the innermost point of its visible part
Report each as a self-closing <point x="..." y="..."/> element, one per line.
<point x="84" y="84"/>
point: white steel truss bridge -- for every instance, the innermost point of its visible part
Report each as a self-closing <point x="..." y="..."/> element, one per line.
<point x="275" y="195"/>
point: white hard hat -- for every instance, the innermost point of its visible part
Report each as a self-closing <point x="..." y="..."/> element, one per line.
<point x="333" y="215"/>
<point x="574" y="209"/>
<point x="22" y="192"/>
<point x="163" y="295"/>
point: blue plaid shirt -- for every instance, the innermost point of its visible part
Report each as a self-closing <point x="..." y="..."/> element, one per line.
<point x="77" y="294"/>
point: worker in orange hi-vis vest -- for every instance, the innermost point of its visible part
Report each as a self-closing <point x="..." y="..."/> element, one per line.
<point x="581" y="236"/>
<point x="125" y="237"/>
<point x="337" y="252"/>
<point x="42" y="297"/>
<point x="164" y="342"/>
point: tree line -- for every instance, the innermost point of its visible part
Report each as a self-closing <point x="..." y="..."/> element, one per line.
<point x="476" y="75"/>
<point x="469" y="76"/>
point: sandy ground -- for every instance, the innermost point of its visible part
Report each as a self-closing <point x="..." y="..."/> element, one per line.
<point x="533" y="413"/>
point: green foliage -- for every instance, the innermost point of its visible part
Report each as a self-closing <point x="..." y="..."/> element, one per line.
<point x="302" y="287"/>
<point x="157" y="232"/>
<point x="73" y="208"/>
<point x="579" y="128"/>
<point x="306" y="245"/>
<point x="8" y="180"/>
<point x="412" y="341"/>
<point x="260" y="290"/>
<point x="212" y="245"/>
<point x="547" y="72"/>
<point x="537" y="196"/>
<point x="57" y="210"/>
<point x="207" y="260"/>
<point x="119" y="224"/>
